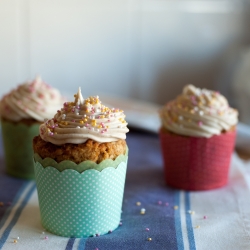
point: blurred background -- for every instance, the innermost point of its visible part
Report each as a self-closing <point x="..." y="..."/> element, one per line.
<point x="144" y="50"/>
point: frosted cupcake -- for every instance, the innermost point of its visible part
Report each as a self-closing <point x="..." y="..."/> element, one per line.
<point x="22" y="112"/>
<point x="80" y="167"/>
<point x="197" y="138"/>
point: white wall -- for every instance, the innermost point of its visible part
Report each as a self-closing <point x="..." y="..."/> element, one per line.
<point x="142" y="49"/>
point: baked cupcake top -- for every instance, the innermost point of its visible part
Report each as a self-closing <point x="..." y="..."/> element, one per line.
<point x="198" y="112"/>
<point x="84" y="119"/>
<point x="31" y="100"/>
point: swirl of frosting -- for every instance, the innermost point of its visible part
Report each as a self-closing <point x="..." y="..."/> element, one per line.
<point x="198" y="112"/>
<point x="31" y="100"/>
<point x="84" y="119"/>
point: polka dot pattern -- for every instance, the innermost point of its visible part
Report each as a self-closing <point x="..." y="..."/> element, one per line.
<point x="74" y="204"/>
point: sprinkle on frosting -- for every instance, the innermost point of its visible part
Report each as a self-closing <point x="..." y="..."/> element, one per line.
<point x="198" y="112"/>
<point x="84" y="119"/>
<point x="34" y="99"/>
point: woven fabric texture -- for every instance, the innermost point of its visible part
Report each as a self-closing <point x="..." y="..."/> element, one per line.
<point x="193" y="163"/>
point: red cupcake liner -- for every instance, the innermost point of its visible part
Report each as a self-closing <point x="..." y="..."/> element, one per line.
<point x="195" y="163"/>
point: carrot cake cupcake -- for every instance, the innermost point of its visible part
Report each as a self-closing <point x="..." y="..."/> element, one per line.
<point x="80" y="166"/>
<point x="22" y="111"/>
<point x="197" y="138"/>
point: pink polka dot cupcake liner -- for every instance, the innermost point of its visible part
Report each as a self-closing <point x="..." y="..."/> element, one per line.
<point x="195" y="163"/>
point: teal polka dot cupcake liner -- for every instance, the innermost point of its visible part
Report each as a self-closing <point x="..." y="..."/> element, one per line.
<point x="80" y="204"/>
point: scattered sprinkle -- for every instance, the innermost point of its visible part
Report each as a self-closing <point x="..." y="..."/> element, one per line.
<point x="166" y="204"/>
<point x="15" y="241"/>
<point x="46" y="237"/>
<point x="159" y="202"/>
<point x="110" y="231"/>
<point x="147" y="229"/>
<point x="138" y="203"/>
<point x="200" y="123"/>
<point x="176" y="207"/>
<point x="120" y="224"/>
<point x="197" y="226"/>
<point x="149" y="239"/>
<point x="143" y="210"/>
<point x="204" y="217"/>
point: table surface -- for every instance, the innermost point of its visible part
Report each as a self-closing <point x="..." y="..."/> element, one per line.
<point x="173" y="219"/>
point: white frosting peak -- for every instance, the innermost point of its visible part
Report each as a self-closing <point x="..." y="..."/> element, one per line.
<point x="78" y="97"/>
<point x="198" y="112"/>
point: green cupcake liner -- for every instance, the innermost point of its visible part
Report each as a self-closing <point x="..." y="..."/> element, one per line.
<point x="80" y="204"/>
<point x="17" y="142"/>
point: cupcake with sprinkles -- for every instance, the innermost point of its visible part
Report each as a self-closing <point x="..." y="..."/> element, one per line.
<point x="197" y="139"/>
<point x="80" y="166"/>
<point x="22" y="111"/>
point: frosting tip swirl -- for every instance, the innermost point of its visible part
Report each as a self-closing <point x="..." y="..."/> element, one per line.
<point x="198" y="112"/>
<point x="84" y="119"/>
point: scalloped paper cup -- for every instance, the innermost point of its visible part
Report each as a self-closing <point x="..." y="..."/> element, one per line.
<point x="83" y="202"/>
<point x="17" y="142"/>
<point x="193" y="163"/>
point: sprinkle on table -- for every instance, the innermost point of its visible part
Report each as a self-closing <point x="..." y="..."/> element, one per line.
<point x="143" y="210"/>
<point x="149" y="239"/>
<point x="138" y="203"/>
<point x="176" y="207"/>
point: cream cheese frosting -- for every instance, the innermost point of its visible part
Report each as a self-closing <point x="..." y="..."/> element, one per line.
<point x="198" y="112"/>
<point x="84" y="119"/>
<point x="31" y="100"/>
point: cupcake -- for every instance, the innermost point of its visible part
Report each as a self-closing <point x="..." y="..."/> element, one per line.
<point x="197" y="139"/>
<point x="22" y="112"/>
<point x="80" y="166"/>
